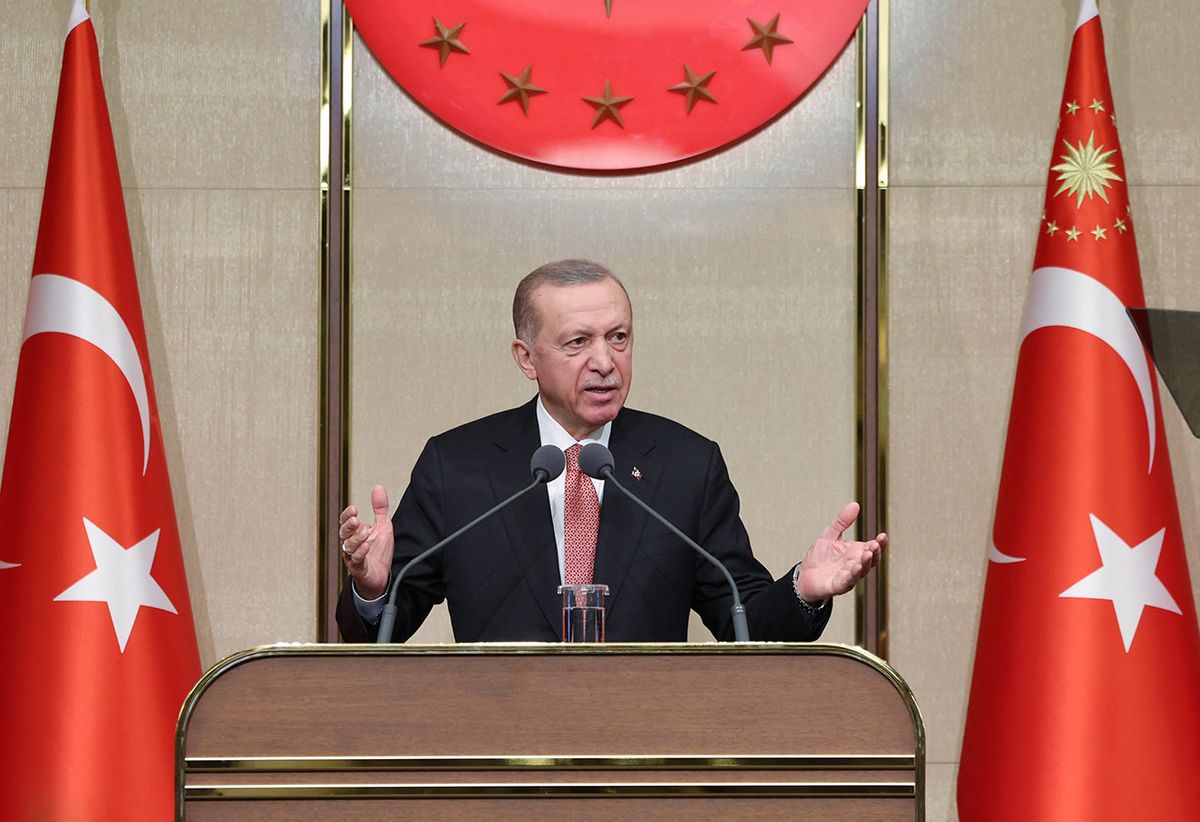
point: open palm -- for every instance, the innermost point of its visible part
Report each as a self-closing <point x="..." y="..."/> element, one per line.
<point x="367" y="547"/>
<point x="834" y="565"/>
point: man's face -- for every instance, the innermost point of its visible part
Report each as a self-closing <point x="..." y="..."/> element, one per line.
<point x="582" y="357"/>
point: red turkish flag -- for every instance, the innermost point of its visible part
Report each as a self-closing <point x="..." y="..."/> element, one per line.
<point x="1085" y="700"/>
<point x="97" y="646"/>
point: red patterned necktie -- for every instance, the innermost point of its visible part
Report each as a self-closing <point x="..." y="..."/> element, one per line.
<point x="581" y="521"/>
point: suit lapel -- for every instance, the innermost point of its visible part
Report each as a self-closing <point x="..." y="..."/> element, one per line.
<point x="527" y="521"/>
<point x="636" y="467"/>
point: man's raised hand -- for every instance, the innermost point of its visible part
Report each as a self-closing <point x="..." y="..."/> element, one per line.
<point x="833" y="565"/>
<point x="367" y="546"/>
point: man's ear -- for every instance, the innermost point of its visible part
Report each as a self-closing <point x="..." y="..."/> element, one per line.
<point x="523" y="356"/>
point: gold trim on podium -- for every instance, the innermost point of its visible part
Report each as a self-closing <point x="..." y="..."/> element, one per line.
<point x="308" y="764"/>
<point x="642" y="790"/>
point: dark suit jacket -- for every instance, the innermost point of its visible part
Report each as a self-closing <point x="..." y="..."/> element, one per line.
<point x="501" y="577"/>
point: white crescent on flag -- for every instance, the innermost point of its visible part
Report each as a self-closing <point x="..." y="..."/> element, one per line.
<point x="66" y="306"/>
<point x="996" y="555"/>
<point x="1071" y="299"/>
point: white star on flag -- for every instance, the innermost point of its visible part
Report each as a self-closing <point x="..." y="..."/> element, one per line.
<point x="1126" y="578"/>
<point x="121" y="580"/>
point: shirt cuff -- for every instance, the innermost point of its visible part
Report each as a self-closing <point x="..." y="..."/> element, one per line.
<point x="369" y="609"/>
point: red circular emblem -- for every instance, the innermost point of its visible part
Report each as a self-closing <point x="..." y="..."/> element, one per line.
<point x="606" y="84"/>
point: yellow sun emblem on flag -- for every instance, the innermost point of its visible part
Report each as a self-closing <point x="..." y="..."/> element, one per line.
<point x="1085" y="170"/>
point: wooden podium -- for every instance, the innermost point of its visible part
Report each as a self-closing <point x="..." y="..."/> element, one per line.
<point x="751" y="731"/>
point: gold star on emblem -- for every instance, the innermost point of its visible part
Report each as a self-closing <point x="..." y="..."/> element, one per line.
<point x="608" y="8"/>
<point x="1072" y="107"/>
<point x="1121" y="226"/>
<point x="1073" y="234"/>
<point x="766" y="37"/>
<point x="1099" y="233"/>
<point x="694" y="87"/>
<point x="520" y="89"/>
<point x="1051" y="227"/>
<point x="446" y="41"/>
<point x="607" y="107"/>
<point x="1096" y="106"/>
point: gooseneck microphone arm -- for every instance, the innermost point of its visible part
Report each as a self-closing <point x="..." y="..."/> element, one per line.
<point x="547" y="463"/>
<point x="596" y="461"/>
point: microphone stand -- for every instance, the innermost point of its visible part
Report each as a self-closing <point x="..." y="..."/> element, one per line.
<point x="387" y="622"/>
<point x="741" y="630"/>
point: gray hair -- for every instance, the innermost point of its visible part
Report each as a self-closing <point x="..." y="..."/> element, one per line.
<point x="562" y="273"/>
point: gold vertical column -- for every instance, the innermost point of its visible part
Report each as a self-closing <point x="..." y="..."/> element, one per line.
<point x="337" y="34"/>
<point x="871" y="182"/>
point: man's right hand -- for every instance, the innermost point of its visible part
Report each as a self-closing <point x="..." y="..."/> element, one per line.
<point x="367" y="547"/>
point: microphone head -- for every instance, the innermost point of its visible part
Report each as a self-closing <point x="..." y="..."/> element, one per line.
<point x="595" y="459"/>
<point x="547" y="463"/>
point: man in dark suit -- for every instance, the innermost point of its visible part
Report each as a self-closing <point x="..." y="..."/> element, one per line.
<point x="574" y="328"/>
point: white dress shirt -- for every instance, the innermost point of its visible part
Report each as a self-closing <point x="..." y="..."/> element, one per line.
<point x="552" y="433"/>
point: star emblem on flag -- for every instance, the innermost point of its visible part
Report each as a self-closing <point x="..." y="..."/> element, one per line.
<point x="1085" y="170"/>
<point x="122" y="580"/>
<point x="1125" y="578"/>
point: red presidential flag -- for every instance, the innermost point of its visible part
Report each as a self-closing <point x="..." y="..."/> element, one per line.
<point x="606" y="84"/>
<point x="97" y="646"/>
<point x="1085" y="699"/>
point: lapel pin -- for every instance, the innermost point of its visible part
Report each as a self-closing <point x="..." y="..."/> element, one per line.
<point x="637" y="475"/>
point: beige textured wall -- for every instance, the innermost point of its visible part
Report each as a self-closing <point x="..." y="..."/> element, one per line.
<point x="214" y="110"/>
<point x="741" y="271"/>
<point x="975" y="91"/>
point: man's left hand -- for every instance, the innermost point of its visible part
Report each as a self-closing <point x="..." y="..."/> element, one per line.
<point x="833" y="565"/>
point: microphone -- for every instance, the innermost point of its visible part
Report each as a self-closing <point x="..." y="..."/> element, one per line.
<point x="597" y="462"/>
<point x="547" y="463"/>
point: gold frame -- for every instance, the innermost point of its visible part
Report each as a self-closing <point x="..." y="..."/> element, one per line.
<point x="863" y="221"/>
<point x="345" y="203"/>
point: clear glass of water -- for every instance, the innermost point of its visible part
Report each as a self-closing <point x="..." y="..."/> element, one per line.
<point x="583" y="612"/>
